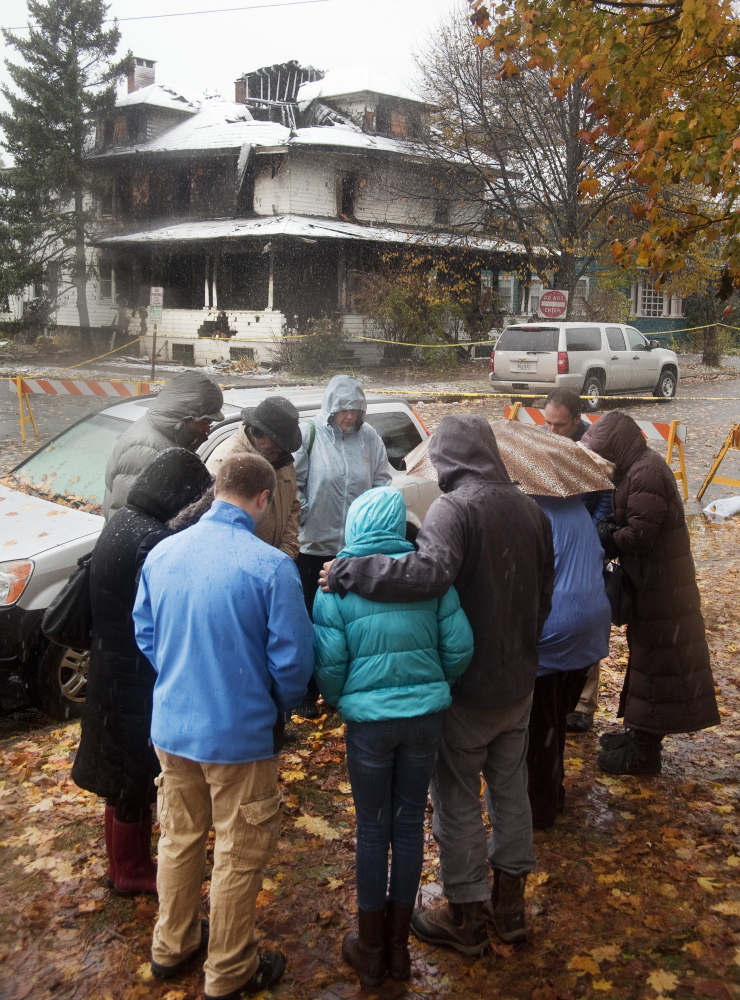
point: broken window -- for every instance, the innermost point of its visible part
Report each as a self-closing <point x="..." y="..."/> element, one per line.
<point x="106" y="198"/>
<point x="347" y="192"/>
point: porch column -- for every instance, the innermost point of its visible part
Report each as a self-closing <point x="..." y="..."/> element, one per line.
<point x="206" y="289"/>
<point x="342" y="279"/>
<point x="270" y="280"/>
<point x="214" y="285"/>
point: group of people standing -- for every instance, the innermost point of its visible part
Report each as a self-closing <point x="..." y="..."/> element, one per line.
<point x="216" y="604"/>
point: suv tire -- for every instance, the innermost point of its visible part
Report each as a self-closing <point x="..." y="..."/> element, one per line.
<point x="593" y="389"/>
<point x="666" y="387"/>
<point x="61" y="681"/>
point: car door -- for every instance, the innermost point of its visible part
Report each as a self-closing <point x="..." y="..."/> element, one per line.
<point x="644" y="362"/>
<point x="620" y="361"/>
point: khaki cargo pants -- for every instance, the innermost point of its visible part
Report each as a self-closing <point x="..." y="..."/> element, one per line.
<point x="244" y="805"/>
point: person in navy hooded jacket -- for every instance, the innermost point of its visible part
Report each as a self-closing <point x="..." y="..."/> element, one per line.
<point x="221" y="617"/>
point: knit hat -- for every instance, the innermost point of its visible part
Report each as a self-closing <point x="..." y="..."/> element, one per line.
<point x="278" y="418"/>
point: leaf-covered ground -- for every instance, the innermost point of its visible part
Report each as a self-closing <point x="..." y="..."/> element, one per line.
<point x="636" y="892"/>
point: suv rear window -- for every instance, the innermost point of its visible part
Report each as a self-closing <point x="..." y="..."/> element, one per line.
<point x="583" y="338"/>
<point x="398" y="432"/>
<point x="531" y="338"/>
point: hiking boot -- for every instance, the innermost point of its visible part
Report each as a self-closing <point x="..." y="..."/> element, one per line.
<point x="640" y="754"/>
<point x="612" y="741"/>
<point x="507" y="906"/>
<point x="461" y="926"/>
<point x="135" y="870"/>
<point x="578" y="722"/>
<point x="168" y="971"/>
<point x="397" y="925"/>
<point x="364" y="949"/>
<point x="270" y="969"/>
<point x="308" y="709"/>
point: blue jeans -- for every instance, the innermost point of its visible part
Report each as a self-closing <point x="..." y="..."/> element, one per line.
<point x="390" y="765"/>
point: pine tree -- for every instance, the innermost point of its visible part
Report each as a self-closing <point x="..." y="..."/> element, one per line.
<point x="62" y="87"/>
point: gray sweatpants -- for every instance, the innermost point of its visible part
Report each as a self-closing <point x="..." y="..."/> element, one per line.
<point x="491" y="742"/>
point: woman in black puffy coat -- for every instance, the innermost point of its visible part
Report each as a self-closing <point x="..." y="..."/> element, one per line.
<point x="116" y="759"/>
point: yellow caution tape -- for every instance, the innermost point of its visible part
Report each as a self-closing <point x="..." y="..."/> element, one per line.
<point x="541" y="395"/>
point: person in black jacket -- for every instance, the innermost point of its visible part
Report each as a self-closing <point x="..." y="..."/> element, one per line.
<point x="116" y="759"/>
<point x="495" y="545"/>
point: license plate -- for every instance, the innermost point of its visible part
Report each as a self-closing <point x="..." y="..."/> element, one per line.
<point x="525" y="366"/>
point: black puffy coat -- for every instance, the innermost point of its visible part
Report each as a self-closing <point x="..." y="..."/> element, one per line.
<point x="669" y="686"/>
<point x="116" y="758"/>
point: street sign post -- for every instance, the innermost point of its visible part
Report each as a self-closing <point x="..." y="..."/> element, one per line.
<point x="156" y="299"/>
<point x="553" y="304"/>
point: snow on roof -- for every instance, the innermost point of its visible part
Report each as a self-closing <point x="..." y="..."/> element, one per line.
<point x="304" y="227"/>
<point x="224" y="125"/>
<point x="355" y="81"/>
<point x="159" y="96"/>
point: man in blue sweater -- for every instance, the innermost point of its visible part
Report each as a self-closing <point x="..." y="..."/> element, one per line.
<point x="221" y="617"/>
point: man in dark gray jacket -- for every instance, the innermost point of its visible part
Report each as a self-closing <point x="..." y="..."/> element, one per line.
<point x="182" y="415"/>
<point x="495" y="545"/>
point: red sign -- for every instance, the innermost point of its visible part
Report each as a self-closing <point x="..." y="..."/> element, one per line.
<point x="553" y="304"/>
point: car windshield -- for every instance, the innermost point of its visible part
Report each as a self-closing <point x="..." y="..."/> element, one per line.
<point x="531" y="338"/>
<point x="74" y="463"/>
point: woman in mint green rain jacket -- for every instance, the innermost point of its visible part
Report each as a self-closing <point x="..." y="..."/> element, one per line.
<point x="388" y="669"/>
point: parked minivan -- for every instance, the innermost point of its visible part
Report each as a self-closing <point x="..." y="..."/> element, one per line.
<point x="593" y="359"/>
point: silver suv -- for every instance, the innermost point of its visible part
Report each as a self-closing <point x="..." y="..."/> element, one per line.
<point x="593" y="359"/>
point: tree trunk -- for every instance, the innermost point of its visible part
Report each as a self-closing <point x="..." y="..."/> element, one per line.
<point x="80" y="272"/>
<point x="711" y="352"/>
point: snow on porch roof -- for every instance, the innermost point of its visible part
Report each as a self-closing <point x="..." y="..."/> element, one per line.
<point x="306" y="228"/>
<point x="159" y="96"/>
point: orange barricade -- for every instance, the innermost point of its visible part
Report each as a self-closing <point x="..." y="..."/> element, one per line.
<point x="732" y="443"/>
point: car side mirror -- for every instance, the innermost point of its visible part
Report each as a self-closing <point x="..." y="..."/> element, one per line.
<point x="653" y="344"/>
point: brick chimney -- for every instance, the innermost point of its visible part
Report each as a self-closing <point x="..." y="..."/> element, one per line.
<point x="240" y="91"/>
<point x="142" y="75"/>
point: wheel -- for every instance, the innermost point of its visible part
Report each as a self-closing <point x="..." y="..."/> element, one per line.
<point x="61" y="681"/>
<point x="592" y="390"/>
<point x="666" y="387"/>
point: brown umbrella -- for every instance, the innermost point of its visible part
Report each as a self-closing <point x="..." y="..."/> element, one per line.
<point x="542" y="464"/>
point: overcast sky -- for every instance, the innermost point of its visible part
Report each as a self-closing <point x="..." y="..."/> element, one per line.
<point x="211" y="50"/>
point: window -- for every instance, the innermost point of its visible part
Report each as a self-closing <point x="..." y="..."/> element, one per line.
<point x="106" y="199"/>
<point x="398" y="432"/>
<point x="530" y="338"/>
<point x="636" y="340"/>
<point x="506" y="293"/>
<point x="582" y="288"/>
<point x="616" y="339"/>
<point x="107" y="289"/>
<point x="346" y="195"/>
<point x="650" y="302"/>
<point x="535" y="293"/>
<point x="442" y="212"/>
<point x="583" y="338"/>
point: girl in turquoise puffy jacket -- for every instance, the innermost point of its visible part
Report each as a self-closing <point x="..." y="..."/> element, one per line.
<point x="388" y="669"/>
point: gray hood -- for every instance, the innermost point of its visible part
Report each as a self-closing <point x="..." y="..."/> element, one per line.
<point x="188" y="396"/>
<point x="344" y="392"/>
<point x="464" y="448"/>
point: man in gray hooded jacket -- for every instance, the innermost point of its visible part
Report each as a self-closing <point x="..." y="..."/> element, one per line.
<point x="495" y="545"/>
<point x="182" y="415"/>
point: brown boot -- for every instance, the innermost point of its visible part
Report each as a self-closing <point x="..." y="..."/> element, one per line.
<point x="461" y="926"/>
<point x="364" y="950"/>
<point x="507" y="904"/>
<point x="132" y="857"/>
<point x="110" y="877"/>
<point x="397" y="925"/>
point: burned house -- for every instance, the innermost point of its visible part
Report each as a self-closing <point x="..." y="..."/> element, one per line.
<point x="256" y="213"/>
